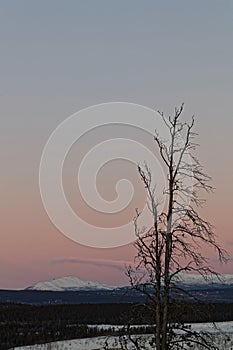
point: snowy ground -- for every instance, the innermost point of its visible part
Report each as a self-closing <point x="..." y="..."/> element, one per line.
<point x="223" y="335"/>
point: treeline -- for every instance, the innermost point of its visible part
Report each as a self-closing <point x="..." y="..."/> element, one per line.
<point x="22" y="324"/>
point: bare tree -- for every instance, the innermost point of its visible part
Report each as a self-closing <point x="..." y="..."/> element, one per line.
<point x="174" y="244"/>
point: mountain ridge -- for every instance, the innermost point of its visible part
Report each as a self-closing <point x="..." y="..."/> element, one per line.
<point x="73" y="283"/>
<point x="69" y="283"/>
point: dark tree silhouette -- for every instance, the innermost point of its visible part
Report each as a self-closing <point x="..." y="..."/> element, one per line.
<point x="174" y="244"/>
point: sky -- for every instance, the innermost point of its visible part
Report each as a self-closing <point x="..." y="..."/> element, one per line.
<point x="59" y="57"/>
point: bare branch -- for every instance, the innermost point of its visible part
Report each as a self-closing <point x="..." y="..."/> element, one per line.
<point x="173" y="245"/>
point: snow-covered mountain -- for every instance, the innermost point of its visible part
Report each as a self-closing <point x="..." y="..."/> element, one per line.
<point x="187" y="281"/>
<point x="197" y="281"/>
<point x="69" y="284"/>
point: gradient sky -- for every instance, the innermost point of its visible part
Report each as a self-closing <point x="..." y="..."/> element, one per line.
<point x="58" y="57"/>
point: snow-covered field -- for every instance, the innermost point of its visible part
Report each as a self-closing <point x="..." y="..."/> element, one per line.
<point x="222" y="335"/>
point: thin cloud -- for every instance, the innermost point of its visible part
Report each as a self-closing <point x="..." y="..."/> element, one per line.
<point x="114" y="264"/>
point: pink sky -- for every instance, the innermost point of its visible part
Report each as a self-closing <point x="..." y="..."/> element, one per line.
<point x="32" y="249"/>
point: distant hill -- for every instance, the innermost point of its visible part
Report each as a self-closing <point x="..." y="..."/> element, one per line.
<point x="69" y="284"/>
<point x="73" y="290"/>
